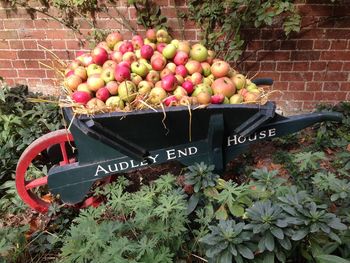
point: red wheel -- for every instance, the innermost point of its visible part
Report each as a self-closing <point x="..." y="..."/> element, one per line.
<point x="31" y="182"/>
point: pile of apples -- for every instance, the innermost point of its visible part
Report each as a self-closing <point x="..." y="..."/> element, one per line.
<point x="152" y="71"/>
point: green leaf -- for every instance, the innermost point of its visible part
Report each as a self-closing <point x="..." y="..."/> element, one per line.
<point x="192" y="203"/>
<point x="221" y="213"/>
<point x="331" y="259"/>
<point x="277" y="232"/>
<point x="269" y="242"/>
<point x="236" y="210"/>
<point x="245" y="252"/>
<point x="300" y="234"/>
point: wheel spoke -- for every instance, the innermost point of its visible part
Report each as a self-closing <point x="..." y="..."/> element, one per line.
<point x="64" y="153"/>
<point x="36" y="182"/>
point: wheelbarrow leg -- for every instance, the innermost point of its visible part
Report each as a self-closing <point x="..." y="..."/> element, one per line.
<point x="215" y="142"/>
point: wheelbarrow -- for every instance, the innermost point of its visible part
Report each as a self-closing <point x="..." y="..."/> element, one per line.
<point x="95" y="148"/>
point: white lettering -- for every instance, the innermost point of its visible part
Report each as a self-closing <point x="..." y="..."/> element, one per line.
<point x="262" y="135"/>
<point x="123" y="165"/>
<point x="171" y="154"/>
<point x="241" y="139"/>
<point x="154" y="159"/>
<point x="111" y="170"/>
<point x="272" y="132"/>
<point x="133" y="165"/>
<point x="192" y="150"/>
<point x="234" y="140"/>
<point x="143" y="163"/>
<point x="182" y="153"/>
<point x="100" y="169"/>
<point x="252" y="139"/>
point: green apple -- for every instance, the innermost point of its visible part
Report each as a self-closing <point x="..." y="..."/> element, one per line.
<point x="139" y="68"/>
<point x="93" y="69"/>
<point x="169" y="51"/>
<point x="236" y="99"/>
<point x="202" y="88"/>
<point x="175" y="42"/>
<point x="115" y="102"/>
<point x="145" y="87"/>
<point x="127" y="91"/>
<point x="199" y="53"/>
<point x="251" y="87"/>
<point x="107" y="75"/>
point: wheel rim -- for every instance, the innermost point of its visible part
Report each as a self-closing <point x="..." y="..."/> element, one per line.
<point x="27" y="188"/>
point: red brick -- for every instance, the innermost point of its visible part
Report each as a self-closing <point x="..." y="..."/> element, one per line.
<point x="8" y="55"/>
<point x="335" y="55"/>
<point x="339" y="44"/>
<point x="314" y="86"/>
<point x="342" y="22"/>
<point x="297" y="76"/>
<point x="32" y="34"/>
<point x="334" y="66"/>
<point x="288" y="45"/>
<point x="73" y="44"/>
<point x="338" y="33"/>
<point x="18" y="64"/>
<point x="31" y="64"/>
<point x="299" y="96"/>
<point x="331" y="86"/>
<point x="272" y="45"/>
<point x="331" y="76"/>
<point x="271" y="34"/>
<point x="60" y="34"/>
<point x="342" y="10"/>
<point x="301" y="66"/>
<point x="284" y="66"/>
<point x="280" y="85"/>
<point x="315" y="10"/>
<point x="169" y="12"/>
<point x="273" y="55"/>
<point x="5" y="64"/>
<point x="346" y="66"/>
<point x="162" y="2"/>
<point x="309" y="105"/>
<point x="59" y="44"/>
<point x="318" y="65"/>
<point x="321" y="44"/>
<point x="312" y="33"/>
<point x="345" y="86"/>
<point x="267" y="66"/>
<point x="305" y="55"/>
<point x="8" y="73"/>
<point x="305" y="44"/>
<point x="34" y="73"/>
<point x="297" y="86"/>
<point x="330" y="96"/>
<point x="251" y="66"/>
<point x="16" y="44"/>
<point x="30" y="44"/>
<point x="8" y="34"/>
<point x="24" y="54"/>
<point x="4" y="44"/>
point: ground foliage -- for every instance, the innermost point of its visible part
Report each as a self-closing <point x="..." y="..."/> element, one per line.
<point x="287" y="202"/>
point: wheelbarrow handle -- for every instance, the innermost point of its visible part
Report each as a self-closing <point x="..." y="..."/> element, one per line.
<point x="263" y="81"/>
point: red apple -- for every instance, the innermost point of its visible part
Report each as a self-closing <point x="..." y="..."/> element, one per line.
<point x="180" y="92"/>
<point x="116" y="56"/>
<point x="126" y="46"/>
<point x="193" y="66"/>
<point x="68" y="72"/>
<point x="223" y="86"/>
<point x="137" y="42"/>
<point x="165" y="72"/>
<point x="122" y="73"/>
<point x="181" y="58"/>
<point x="109" y="64"/>
<point x="81" y="97"/>
<point x="160" y="47"/>
<point x="196" y="78"/>
<point x="124" y="64"/>
<point x="188" y="86"/>
<point x="169" y="82"/>
<point x="84" y="87"/>
<point x="129" y="57"/>
<point x="217" y="99"/>
<point x="74" y="64"/>
<point x="81" y="72"/>
<point x="104" y="45"/>
<point x="85" y="59"/>
<point x="181" y="70"/>
<point x="103" y="94"/>
<point x="158" y="63"/>
<point x="72" y="82"/>
<point x="99" y="55"/>
<point x="147" y="51"/>
<point x="112" y="87"/>
<point x="220" y="69"/>
<point x="170" y="101"/>
<point x="151" y="35"/>
<point x="184" y="46"/>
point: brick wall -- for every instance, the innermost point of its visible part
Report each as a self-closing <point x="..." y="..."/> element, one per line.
<point x="310" y="67"/>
